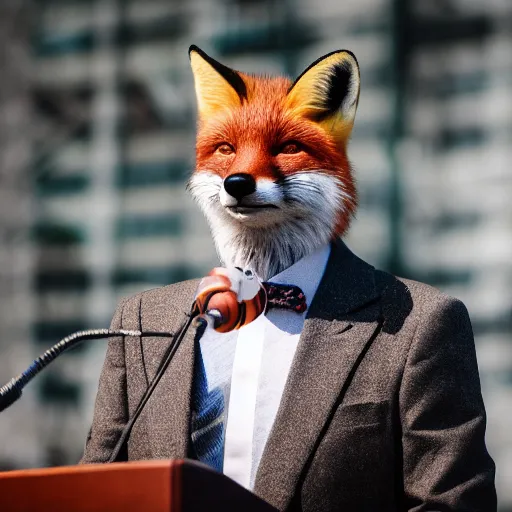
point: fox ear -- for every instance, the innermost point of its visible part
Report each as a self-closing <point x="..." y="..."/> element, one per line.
<point x="327" y="92"/>
<point x="217" y="86"/>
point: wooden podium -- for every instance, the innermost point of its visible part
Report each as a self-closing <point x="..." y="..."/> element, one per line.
<point x="152" y="486"/>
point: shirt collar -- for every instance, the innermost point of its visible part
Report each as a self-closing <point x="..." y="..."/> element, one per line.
<point x="306" y="273"/>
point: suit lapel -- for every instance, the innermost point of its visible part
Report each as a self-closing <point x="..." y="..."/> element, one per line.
<point x="168" y="409"/>
<point x="343" y="319"/>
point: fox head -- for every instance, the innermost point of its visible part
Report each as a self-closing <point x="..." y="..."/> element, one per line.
<point x="272" y="174"/>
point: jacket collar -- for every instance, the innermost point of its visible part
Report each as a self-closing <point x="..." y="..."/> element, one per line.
<point x="347" y="284"/>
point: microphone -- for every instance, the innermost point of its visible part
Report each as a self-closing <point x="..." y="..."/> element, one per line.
<point x="12" y="391"/>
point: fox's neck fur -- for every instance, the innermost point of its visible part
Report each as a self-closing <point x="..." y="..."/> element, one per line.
<point x="269" y="251"/>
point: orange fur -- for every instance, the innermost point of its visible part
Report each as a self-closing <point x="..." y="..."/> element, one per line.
<point x="258" y="125"/>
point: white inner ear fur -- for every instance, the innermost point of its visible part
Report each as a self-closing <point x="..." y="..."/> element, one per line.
<point x="348" y="106"/>
<point x="349" y="103"/>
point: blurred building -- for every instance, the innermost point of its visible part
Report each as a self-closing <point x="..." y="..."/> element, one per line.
<point x="16" y="216"/>
<point x="456" y="183"/>
<point x="112" y="143"/>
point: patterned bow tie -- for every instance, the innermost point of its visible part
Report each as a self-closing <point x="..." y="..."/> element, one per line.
<point x="285" y="296"/>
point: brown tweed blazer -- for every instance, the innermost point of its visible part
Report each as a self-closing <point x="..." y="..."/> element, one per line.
<point x="382" y="409"/>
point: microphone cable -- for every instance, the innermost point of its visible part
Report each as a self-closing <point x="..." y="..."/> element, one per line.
<point x="12" y="391"/>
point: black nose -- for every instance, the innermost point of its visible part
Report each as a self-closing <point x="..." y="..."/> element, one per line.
<point x="240" y="185"/>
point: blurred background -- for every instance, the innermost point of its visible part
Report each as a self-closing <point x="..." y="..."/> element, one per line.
<point x="97" y="120"/>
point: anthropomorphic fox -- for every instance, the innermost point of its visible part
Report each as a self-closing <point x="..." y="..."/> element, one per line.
<point x="367" y="398"/>
<point x="272" y="173"/>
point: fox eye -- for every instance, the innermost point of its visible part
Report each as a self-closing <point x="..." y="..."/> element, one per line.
<point x="225" y="149"/>
<point x="290" y="148"/>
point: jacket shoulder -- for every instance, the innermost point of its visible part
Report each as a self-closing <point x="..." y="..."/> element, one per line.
<point x="177" y="296"/>
<point x="415" y="295"/>
<point x="429" y="296"/>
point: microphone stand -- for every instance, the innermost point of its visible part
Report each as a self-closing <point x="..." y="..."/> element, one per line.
<point x="12" y="391"/>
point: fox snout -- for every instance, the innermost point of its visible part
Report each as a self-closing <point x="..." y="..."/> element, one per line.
<point x="239" y="185"/>
<point x="242" y="193"/>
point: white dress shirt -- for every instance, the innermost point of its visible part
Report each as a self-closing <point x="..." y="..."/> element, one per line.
<point x="251" y="366"/>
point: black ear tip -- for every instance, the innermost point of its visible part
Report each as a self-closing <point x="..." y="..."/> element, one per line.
<point x="193" y="48"/>
<point x="346" y="52"/>
<point x="230" y="75"/>
<point x="352" y="55"/>
<point x="320" y="59"/>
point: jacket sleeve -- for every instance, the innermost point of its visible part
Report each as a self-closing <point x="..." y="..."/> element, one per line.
<point x="446" y="463"/>
<point x="111" y="409"/>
